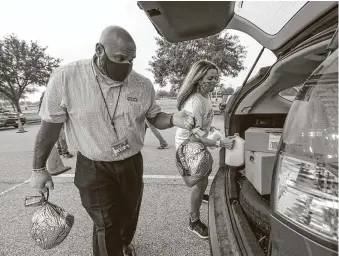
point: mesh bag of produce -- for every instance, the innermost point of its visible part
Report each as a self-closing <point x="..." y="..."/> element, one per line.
<point x="193" y="160"/>
<point x="50" y="224"/>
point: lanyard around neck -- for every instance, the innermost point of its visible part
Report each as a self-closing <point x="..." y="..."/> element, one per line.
<point x="111" y="117"/>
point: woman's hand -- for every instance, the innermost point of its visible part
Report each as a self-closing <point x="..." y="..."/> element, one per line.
<point x="228" y="142"/>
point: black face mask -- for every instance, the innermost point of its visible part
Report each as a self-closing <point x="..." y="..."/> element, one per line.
<point x="115" y="70"/>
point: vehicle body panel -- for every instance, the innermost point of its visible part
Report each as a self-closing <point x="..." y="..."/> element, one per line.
<point x="10" y="118"/>
<point x="288" y="242"/>
<point x="180" y="21"/>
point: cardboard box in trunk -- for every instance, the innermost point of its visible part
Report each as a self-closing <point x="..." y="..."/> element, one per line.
<point x="259" y="170"/>
<point x="262" y="139"/>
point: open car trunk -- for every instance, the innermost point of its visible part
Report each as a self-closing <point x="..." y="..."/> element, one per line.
<point x="238" y="224"/>
<point x="239" y="216"/>
<point x="180" y="21"/>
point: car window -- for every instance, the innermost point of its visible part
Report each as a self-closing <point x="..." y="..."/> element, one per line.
<point x="253" y="48"/>
<point x="311" y="129"/>
<point x="290" y="93"/>
<point x="269" y="16"/>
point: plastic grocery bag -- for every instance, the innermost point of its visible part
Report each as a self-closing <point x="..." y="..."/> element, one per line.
<point x="50" y="223"/>
<point x="193" y="160"/>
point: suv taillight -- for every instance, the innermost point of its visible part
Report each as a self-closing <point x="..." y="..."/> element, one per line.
<point x="306" y="194"/>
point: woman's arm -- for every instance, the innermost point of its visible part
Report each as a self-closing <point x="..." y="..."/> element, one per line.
<point x="208" y="142"/>
<point x="198" y="114"/>
<point x="225" y="143"/>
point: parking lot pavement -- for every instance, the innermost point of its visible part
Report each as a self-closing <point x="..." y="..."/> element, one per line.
<point x="162" y="228"/>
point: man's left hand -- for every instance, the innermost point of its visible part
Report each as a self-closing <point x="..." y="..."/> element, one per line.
<point x="184" y="119"/>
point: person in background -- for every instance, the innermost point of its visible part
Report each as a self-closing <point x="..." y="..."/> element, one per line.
<point x="40" y="102"/>
<point x="194" y="96"/>
<point x="162" y="141"/>
<point x="62" y="146"/>
<point x="103" y="103"/>
<point x="61" y="143"/>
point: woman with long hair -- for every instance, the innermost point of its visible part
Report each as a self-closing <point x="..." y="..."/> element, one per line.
<point x="194" y="96"/>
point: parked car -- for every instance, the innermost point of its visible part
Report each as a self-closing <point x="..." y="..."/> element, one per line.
<point x="282" y="202"/>
<point x="10" y="118"/>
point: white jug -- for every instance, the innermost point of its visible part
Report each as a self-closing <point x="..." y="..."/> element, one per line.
<point x="215" y="135"/>
<point x="236" y="156"/>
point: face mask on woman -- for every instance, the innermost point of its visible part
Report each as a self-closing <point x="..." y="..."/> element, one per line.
<point x="207" y="87"/>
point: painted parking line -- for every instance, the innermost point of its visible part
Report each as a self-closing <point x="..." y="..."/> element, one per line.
<point x="12" y="188"/>
<point x="71" y="175"/>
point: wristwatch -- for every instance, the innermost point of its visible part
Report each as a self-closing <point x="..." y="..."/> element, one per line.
<point x="217" y="144"/>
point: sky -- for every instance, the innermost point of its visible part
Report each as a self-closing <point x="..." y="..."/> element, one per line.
<point x="71" y="28"/>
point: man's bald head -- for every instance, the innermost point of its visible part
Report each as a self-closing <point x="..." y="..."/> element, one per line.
<point x="116" y="38"/>
<point x="115" y="53"/>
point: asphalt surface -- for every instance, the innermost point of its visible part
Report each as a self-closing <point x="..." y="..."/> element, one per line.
<point x="162" y="227"/>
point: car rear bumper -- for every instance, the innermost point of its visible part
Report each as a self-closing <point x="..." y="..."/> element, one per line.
<point x="229" y="230"/>
<point x="222" y="241"/>
<point x="288" y="242"/>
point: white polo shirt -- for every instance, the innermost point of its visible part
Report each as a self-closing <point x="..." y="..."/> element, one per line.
<point x="73" y="96"/>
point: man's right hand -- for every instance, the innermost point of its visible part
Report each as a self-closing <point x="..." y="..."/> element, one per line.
<point x="45" y="141"/>
<point x="41" y="181"/>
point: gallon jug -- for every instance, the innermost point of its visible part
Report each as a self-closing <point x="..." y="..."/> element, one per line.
<point x="214" y="135"/>
<point x="236" y="156"/>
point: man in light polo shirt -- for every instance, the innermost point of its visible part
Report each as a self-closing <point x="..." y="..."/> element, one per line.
<point x="104" y="104"/>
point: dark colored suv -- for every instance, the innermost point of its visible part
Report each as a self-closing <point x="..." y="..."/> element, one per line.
<point x="284" y="199"/>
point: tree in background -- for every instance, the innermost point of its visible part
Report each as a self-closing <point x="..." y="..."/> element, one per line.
<point x="172" y="62"/>
<point x="3" y="100"/>
<point x="23" y="67"/>
<point x="227" y="91"/>
<point x="161" y="94"/>
<point x="165" y="94"/>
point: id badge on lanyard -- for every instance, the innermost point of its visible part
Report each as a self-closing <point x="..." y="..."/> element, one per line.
<point x="122" y="145"/>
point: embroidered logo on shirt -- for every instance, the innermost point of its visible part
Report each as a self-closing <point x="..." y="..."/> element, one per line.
<point x="132" y="99"/>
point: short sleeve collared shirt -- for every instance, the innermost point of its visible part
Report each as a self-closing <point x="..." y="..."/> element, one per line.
<point x="73" y="96"/>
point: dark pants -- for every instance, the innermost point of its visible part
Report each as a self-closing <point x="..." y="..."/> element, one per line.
<point x="111" y="193"/>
